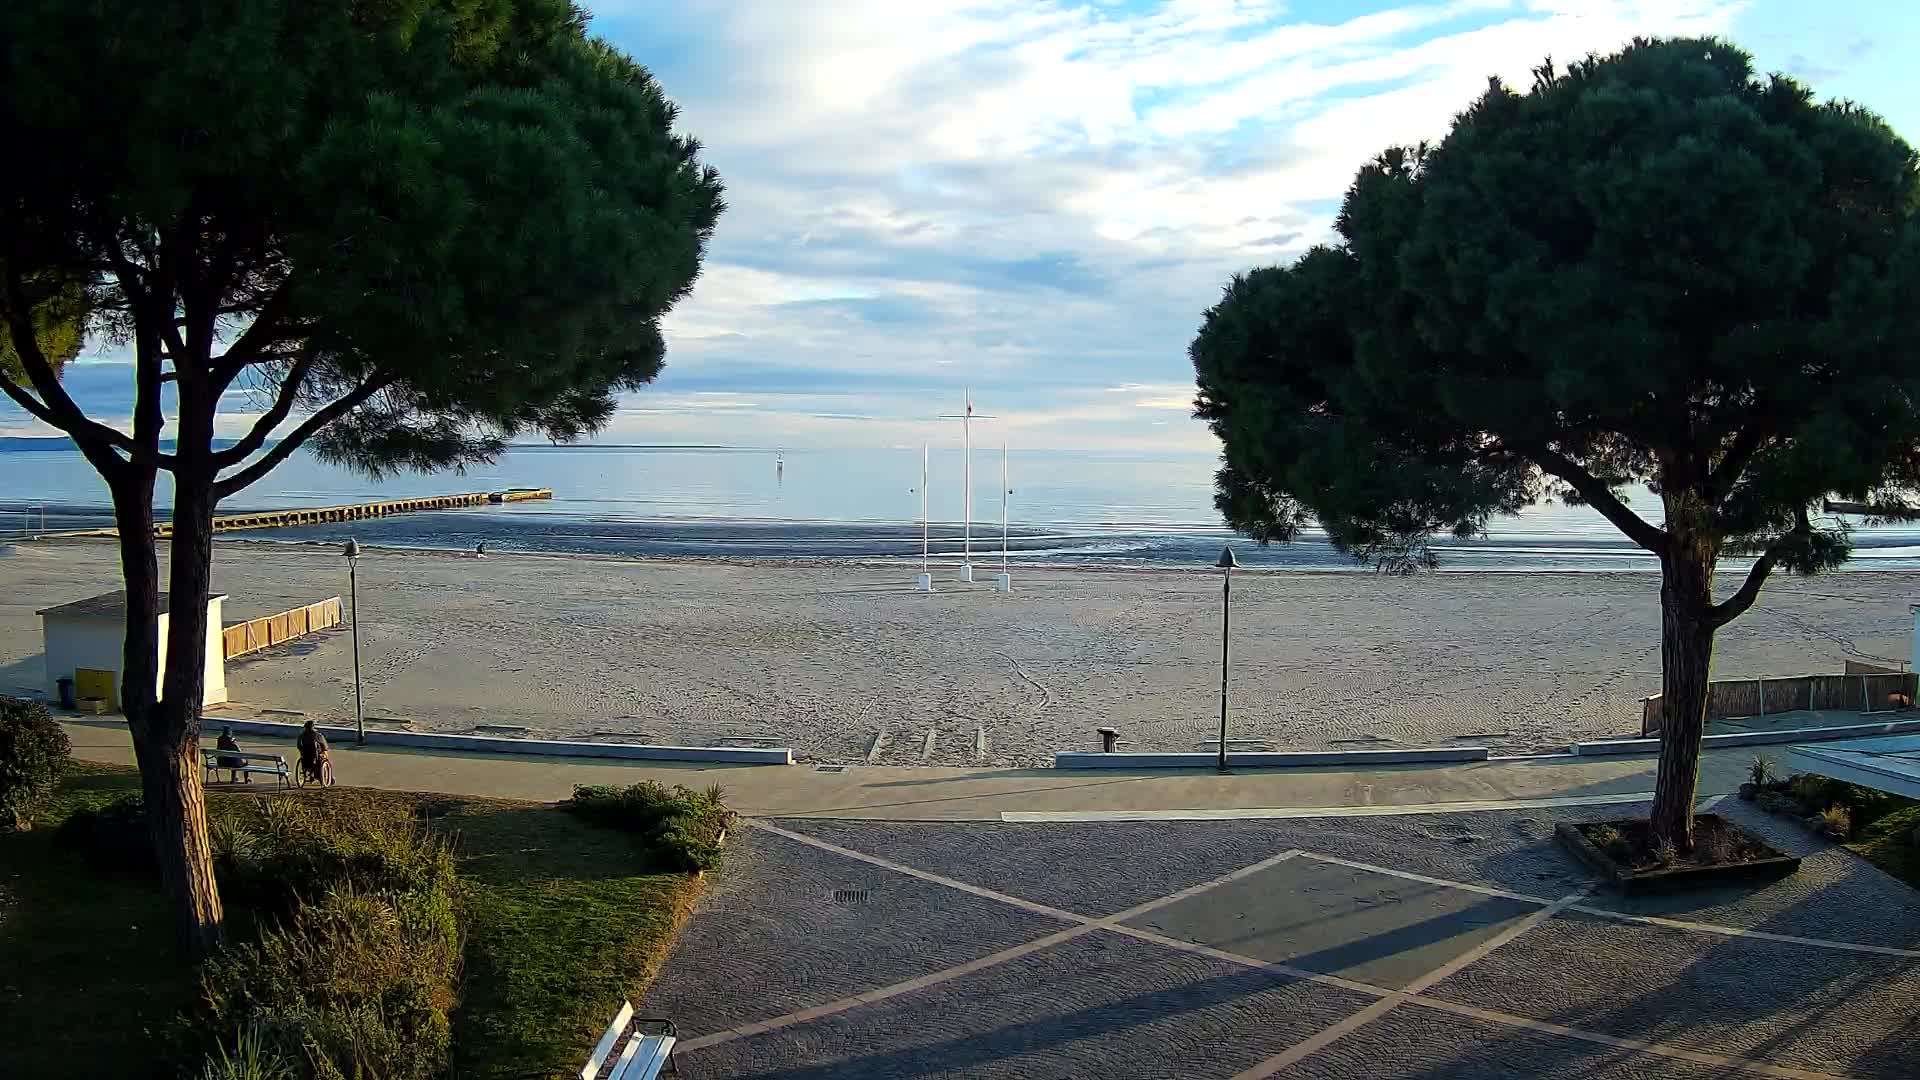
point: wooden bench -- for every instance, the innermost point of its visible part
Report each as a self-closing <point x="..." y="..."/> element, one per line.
<point x="643" y="1056"/>
<point x="266" y="764"/>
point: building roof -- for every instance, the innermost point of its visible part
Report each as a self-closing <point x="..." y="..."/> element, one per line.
<point x="1890" y="764"/>
<point x="111" y="605"/>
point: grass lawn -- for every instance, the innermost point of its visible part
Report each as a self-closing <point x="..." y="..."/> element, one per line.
<point x="1888" y="844"/>
<point x="562" y="920"/>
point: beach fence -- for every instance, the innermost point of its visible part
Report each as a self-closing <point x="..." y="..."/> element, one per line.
<point x="277" y="629"/>
<point x="1862" y="688"/>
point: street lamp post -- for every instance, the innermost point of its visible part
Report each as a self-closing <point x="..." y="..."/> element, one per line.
<point x="352" y="552"/>
<point x="1227" y="564"/>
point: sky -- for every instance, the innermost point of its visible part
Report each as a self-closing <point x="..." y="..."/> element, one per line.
<point x="1037" y="200"/>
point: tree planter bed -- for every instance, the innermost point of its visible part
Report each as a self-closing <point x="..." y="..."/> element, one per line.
<point x="1754" y="859"/>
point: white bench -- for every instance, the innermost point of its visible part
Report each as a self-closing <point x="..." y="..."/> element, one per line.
<point x="644" y="1057"/>
<point x="267" y="764"/>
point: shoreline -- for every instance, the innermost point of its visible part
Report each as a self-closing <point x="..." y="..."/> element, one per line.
<point x="947" y="562"/>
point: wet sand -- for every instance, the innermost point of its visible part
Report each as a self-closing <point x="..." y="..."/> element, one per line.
<point x="826" y="658"/>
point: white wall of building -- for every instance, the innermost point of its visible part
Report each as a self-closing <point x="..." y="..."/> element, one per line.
<point x="93" y="641"/>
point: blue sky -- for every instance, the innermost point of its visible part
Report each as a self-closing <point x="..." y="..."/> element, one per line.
<point x="1038" y="200"/>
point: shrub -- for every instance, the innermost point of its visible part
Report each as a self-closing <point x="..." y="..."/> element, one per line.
<point x="115" y="833"/>
<point x="1607" y="839"/>
<point x="360" y="979"/>
<point x="682" y="827"/>
<point x="254" y="1057"/>
<point x="1835" y="821"/>
<point x="1810" y="790"/>
<point x="1664" y="852"/>
<point x="1774" y="802"/>
<point x="291" y="852"/>
<point x="1760" y="770"/>
<point x="358" y="984"/>
<point x="33" y="756"/>
<point x="1714" y="845"/>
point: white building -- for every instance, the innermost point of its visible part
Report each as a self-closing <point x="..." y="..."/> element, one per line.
<point x="90" y="635"/>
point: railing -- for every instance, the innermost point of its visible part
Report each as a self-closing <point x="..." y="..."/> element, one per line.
<point x="251" y="636"/>
<point x="1863" y="688"/>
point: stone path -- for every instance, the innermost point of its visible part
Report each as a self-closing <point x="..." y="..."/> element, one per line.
<point x="1458" y="945"/>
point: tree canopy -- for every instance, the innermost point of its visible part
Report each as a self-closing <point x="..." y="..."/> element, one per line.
<point x="403" y="231"/>
<point x="1652" y="268"/>
<point x="422" y="226"/>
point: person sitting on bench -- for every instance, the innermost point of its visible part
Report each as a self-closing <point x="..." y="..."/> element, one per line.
<point x="314" y="762"/>
<point x="236" y="766"/>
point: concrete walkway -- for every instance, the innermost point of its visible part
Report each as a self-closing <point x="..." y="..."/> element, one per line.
<point x="944" y="794"/>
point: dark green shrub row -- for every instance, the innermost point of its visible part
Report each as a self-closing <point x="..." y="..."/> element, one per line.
<point x="682" y="828"/>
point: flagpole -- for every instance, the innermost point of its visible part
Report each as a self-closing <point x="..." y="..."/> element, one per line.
<point x="1005" y="492"/>
<point x="966" y="448"/>
<point x="924" y="531"/>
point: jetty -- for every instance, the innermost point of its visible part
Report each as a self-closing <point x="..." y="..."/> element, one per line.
<point x="327" y="515"/>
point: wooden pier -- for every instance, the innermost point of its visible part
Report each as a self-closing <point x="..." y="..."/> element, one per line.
<point x="327" y="515"/>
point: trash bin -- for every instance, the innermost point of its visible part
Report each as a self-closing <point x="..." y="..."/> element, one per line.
<point x="66" y="694"/>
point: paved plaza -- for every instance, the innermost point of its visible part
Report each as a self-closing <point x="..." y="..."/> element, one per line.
<point x="1461" y="945"/>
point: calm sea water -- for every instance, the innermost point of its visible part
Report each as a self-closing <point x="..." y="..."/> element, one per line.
<point x="1106" y="509"/>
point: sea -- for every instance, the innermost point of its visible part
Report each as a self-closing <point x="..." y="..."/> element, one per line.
<point x="1109" y="509"/>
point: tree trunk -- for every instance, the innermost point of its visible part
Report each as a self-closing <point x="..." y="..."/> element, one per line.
<point x="169" y="761"/>
<point x="1686" y="661"/>
<point x="165" y="746"/>
<point x="177" y="809"/>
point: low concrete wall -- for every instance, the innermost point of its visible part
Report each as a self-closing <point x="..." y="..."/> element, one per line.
<point x="1090" y="759"/>
<point x="490" y="744"/>
<point x="1606" y="747"/>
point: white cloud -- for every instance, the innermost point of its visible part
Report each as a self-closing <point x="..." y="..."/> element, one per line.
<point x="1035" y="197"/>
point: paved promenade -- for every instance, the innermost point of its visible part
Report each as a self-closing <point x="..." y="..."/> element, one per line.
<point x="908" y="793"/>
<point x="1391" y="924"/>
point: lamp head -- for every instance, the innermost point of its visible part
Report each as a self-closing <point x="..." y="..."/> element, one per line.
<point x="1227" y="561"/>
<point x="352" y="550"/>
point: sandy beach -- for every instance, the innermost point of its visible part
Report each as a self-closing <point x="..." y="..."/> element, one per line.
<point x="824" y="658"/>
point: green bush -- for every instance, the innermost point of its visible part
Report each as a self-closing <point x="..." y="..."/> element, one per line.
<point x="115" y="833"/>
<point x="254" y="1057"/>
<point x="360" y="979"/>
<point x="1608" y="839"/>
<point x="33" y="756"/>
<point x="1812" y="791"/>
<point x="681" y="827"/>
<point x="288" y="852"/>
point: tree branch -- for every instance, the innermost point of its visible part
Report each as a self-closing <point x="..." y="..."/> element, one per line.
<point x="263" y="427"/>
<point x="253" y="341"/>
<point x="1736" y="605"/>
<point x="285" y="447"/>
<point x="54" y="406"/>
<point x="1746" y="443"/>
<point x="1599" y="496"/>
<point x="23" y="398"/>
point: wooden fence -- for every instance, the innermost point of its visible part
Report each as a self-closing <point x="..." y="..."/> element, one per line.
<point x="269" y="630"/>
<point x="1864" y="688"/>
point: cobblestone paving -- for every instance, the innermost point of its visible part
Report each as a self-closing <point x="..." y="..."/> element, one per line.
<point x="1383" y="948"/>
